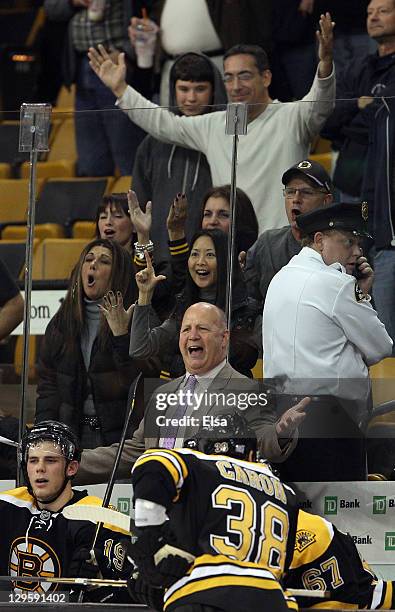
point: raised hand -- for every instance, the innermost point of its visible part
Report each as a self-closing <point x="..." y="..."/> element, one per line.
<point x="325" y="44"/>
<point x="138" y="25"/>
<point x="290" y="420"/>
<point x="146" y="281"/>
<point x="112" y="73"/>
<point x="141" y="220"/>
<point x="177" y="217"/>
<point x="117" y="317"/>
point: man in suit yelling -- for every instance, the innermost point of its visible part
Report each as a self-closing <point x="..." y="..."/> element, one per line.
<point x="210" y="385"/>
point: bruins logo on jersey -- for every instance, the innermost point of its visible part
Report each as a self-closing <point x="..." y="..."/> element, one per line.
<point x="304" y="539"/>
<point x="39" y="559"/>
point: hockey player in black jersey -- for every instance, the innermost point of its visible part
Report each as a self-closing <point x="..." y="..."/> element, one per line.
<point x="234" y="516"/>
<point x="327" y="559"/>
<point x="36" y="539"/>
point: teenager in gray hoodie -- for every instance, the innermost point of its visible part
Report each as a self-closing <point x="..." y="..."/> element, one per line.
<point x="161" y="170"/>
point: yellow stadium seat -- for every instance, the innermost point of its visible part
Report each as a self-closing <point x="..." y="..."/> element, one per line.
<point x="67" y="200"/>
<point x="41" y="231"/>
<point x="66" y="99"/>
<point x="12" y="253"/>
<point x="84" y="229"/>
<point x="325" y="159"/>
<point x="56" y="257"/>
<point x="5" y="171"/>
<point x="321" y="145"/>
<point x="121" y="184"/>
<point x="383" y="379"/>
<point x="14" y="194"/>
<point x="257" y="370"/>
<point x="62" y="154"/>
<point x="32" y="356"/>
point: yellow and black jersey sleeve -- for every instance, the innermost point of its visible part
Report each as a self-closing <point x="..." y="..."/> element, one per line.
<point x="327" y="559"/>
<point x="216" y="580"/>
<point x="383" y="595"/>
<point x="178" y="248"/>
<point x="159" y="475"/>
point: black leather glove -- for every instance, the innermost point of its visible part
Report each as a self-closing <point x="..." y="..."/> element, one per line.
<point x="171" y="568"/>
<point x="81" y="566"/>
<point x="142" y="593"/>
<point x="148" y="541"/>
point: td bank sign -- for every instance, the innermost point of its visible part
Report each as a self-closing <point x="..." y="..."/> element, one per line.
<point x="332" y="504"/>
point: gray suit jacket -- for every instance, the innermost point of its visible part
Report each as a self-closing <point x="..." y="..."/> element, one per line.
<point x="96" y="464"/>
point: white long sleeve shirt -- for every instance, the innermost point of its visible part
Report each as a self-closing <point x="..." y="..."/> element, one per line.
<point x="277" y="139"/>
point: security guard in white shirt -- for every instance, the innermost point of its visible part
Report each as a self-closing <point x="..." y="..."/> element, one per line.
<point x="320" y="335"/>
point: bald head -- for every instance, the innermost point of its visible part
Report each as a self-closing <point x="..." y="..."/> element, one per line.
<point x="203" y="338"/>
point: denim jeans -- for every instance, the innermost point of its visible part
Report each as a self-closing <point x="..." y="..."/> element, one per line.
<point x="384" y="289"/>
<point x="105" y="139"/>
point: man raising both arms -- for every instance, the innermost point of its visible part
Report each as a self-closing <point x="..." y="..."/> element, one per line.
<point x="278" y="135"/>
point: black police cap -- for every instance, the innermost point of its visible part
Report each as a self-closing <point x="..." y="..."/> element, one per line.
<point x="313" y="170"/>
<point x="345" y="217"/>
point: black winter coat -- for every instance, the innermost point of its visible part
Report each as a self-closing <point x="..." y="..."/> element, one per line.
<point x="64" y="382"/>
<point x="379" y="186"/>
<point x="348" y="126"/>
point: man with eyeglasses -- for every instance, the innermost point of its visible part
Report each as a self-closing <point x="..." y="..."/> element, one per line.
<point x="307" y="187"/>
<point x="320" y="335"/>
<point x="278" y="134"/>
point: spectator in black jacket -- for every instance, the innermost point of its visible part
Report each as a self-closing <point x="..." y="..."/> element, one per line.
<point x="11" y="303"/>
<point x="84" y="368"/>
<point x="105" y="140"/>
<point x="379" y="192"/>
<point x="348" y="126"/>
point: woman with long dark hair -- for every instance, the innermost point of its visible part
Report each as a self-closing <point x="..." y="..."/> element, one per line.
<point x="214" y="214"/>
<point x="85" y="370"/>
<point x="120" y="218"/>
<point x="205" y="281"/>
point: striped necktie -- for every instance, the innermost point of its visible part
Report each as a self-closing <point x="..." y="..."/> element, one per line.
<point x="171" y="431"/>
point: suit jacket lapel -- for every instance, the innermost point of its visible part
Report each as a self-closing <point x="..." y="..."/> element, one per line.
<point x="151" y="426"/>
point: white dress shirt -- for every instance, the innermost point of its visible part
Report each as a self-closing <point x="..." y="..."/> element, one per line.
<point x="316" y="335"/>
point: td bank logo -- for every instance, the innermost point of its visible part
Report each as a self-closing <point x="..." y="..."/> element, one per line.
<point x="389" y="541"/>
<point x="379" y="504"/>
<point x="330" y="504"/>
<point x="123" y="505"/>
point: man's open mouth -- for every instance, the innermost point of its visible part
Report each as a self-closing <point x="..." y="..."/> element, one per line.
<point x="295" y="212"/>
<point x="195" y="350"/>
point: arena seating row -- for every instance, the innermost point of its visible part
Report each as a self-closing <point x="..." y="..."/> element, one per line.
<point x="60" y="204"/>
<point x="53" y="258"/>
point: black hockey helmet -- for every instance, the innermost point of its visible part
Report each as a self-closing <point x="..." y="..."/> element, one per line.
<point x="227" y="433"/>
<point x="59" y="433"/>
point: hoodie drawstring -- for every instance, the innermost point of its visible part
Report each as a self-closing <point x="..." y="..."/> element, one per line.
<point x="170" y="160"/>
<point x="197" y="168"/>
<point x="185" y="177"/>
<point x="186" y="170"/>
